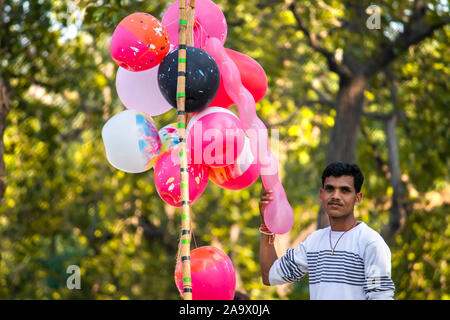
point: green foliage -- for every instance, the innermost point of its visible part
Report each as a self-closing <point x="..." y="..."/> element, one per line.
<point x="420" y="256"/>
<point x="66" y="205"/>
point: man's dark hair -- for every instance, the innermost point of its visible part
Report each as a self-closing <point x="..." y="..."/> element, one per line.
<point x="338" y="169"/>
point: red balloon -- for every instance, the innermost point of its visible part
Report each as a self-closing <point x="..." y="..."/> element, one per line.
<point x="212" y="275"/>
<point x="167" y="178"/>
<point x="253" y="78"/>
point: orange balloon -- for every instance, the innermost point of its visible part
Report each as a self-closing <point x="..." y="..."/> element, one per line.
<point x="139" y="42"/>
<point x="145" y="27"/>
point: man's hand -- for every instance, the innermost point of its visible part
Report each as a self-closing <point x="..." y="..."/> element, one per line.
<point x="266" y="197"/>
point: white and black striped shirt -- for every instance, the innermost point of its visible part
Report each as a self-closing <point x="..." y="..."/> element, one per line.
<point x="360" y="267"/>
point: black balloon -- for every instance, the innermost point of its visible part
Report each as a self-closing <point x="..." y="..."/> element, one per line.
<point x="202" y="79"/>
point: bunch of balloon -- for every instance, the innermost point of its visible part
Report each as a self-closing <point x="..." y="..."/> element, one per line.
<point x="230" y="150"/>
<point x="147" y="55"/>
<point x="235" y="148"/>
<point x="146" y="82"/>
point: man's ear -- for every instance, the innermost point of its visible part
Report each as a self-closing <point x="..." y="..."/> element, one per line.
<point x="358" y="198"/>
<point x="321" y="195"/>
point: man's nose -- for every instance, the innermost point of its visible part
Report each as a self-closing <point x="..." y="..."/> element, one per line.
<point x="336" y="195"/>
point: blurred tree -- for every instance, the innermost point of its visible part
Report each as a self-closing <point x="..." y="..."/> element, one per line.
<point x="356" y="61"/>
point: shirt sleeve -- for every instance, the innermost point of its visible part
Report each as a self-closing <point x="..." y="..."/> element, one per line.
<point x="377" y="268"/>
<point x="290" y="267"/>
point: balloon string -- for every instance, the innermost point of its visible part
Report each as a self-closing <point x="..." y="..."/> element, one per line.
<point x="170" y="24"/>
<point x="193" y="238"/>
<point x="202" y="45"/>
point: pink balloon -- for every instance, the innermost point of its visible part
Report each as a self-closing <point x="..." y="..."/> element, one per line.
<point x="167" y="179"/>
<point x="278" y="215"/>
<point x="212" y="275"/>
<point x="140" y="91"/>
<point x="239" y="175"/>
<point x="209" y="22"/>
<point x="215" y="137"/>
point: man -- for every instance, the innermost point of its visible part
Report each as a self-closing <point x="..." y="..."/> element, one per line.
<point x="347" y="260"/>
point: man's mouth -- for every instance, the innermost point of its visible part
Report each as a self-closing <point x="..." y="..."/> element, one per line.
<point x="334" y="204"/>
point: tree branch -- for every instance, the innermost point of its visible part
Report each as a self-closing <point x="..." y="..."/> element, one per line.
<point x="377" y="115"/>
<point x="323" y="99"/>
<point x="415" y="31"/>
<point x="397" y="113"/>
<point x="315" y="45"/>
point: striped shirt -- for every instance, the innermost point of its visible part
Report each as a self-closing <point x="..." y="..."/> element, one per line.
<point x="360" y="267"/>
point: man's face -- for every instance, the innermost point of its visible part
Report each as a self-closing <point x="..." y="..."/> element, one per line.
<point x="338" y="196"/>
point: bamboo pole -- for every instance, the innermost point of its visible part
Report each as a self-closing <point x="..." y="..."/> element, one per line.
<point x="190" y="23"/>
<point x="183" y="31"/>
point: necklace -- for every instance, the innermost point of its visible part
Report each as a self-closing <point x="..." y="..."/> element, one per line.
<point x="331" y="246"/>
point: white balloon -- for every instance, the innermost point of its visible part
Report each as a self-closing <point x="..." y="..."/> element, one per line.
<point x="140" y="91"/>
<point x="131" y="141"/>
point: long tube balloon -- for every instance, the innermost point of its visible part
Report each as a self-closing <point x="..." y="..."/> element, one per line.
<point x="278" y="214"/>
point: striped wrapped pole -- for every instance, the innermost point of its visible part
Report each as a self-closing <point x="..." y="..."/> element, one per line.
<point x="181" y="101"/>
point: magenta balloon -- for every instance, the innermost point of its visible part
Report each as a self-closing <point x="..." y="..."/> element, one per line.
<point x="209" y="22"/>
<point x="280" y="216"/>
<point x="167" y="178"/>
<point x="212" y="275"/>
<point x="140" y="91"/>
<point x="215" y="137"/>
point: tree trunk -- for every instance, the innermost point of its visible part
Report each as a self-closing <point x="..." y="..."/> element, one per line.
<point x="344" y="135"/>
<point x="398" y="212"/>
<point x="343" y="139"/>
